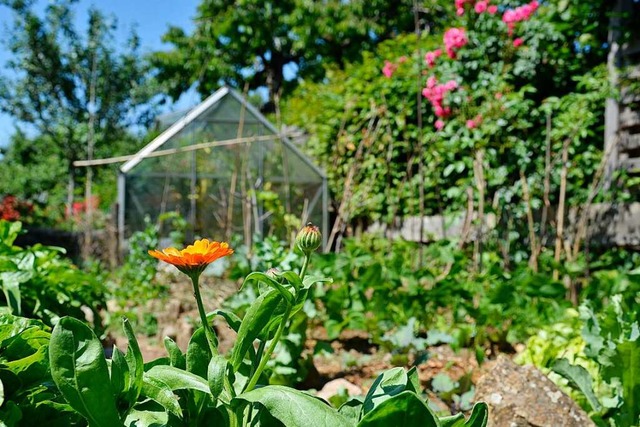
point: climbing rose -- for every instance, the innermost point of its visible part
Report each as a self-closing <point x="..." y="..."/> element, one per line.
<point x="439" y="124"/>
<point x="430" y="57"/>
<point x="471" y="124"/>
<point x="388" y="69"/>
<point x="481" y="6"/>
<point x="518" y="42"/>
<point x="493" y="9"/>
<point x="454" y="38"/>
<point x="519" y="14"/>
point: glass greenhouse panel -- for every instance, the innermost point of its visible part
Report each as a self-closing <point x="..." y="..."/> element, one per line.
<point x="224" y="168"/>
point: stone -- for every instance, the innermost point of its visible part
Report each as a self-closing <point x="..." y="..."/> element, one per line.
<point x="334" y="387"/>
<point x="522" y="396"/>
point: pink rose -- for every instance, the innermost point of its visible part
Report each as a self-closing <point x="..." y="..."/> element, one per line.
<point x="481" y="6"/>
<point x="439" y="124"/>
<point x="388" y="69"/>
<point x="518" y="42"/>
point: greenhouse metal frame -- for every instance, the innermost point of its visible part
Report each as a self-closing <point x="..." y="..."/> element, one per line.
<point x="225" y="169"/>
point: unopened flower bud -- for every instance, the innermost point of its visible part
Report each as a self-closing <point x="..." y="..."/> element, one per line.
<point x="309" y="238"/>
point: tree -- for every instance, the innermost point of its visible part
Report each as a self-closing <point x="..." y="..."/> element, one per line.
<point x="253" y="41"/>
<point x="78" y="91"/>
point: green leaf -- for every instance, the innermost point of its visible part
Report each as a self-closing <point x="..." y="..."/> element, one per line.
<point x="232" y="320"/>
<point x="388" y="384"/>
<point x="479" y="416"/>
<point x="580" y="378"/>
<point x="351" y="409"/>
<point x="120" y="379"/>
<point x="11" y="290"/>
<point x="198" y="354"/>
<point x="146" y="418"/>
<point x="79" y="369"/>
<point x="456" y="420"/>
<point x="257" y="277"/>
<point x="414" y="381"/>
<point x="257" y="322"/>
<point x="134" y="362"/>
<point x="9" y="231"/>
<point x="162" y="393"/>
<point x="294" y="408"/>
<point x="405" y="409"/>
<point x="176" y="357"/>
<point x="178" y="379"/>
<point x="216" y="374"/>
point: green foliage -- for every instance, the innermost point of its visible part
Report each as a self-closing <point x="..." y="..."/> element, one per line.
<point x="133" y="283"/>
<point x="255" y="43"/>
<point x="79" y="91"/>
<point x="379" y="288"/>
<point x="204" y="387"/>
<point x="38" y="282"/>
<point x="613" y="341"/>
<point x="27" y="394"/>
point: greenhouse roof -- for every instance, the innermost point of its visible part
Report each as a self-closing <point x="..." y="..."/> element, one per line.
<point x="200" y="110"/>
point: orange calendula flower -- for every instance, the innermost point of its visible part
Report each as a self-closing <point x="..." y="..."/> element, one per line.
<point x="194" y="258"/>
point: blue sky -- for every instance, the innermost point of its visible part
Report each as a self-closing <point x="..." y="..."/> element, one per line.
<point x="150" y="18"/>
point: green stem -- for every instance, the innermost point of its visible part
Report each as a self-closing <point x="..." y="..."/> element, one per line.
<point x="208" y="331"/>
<point x="267" y="355"/>
<point x="305" y="264"/>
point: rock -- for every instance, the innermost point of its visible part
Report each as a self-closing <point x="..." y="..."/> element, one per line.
<point x="522" y="396"/>
<point x="333" y="387"/>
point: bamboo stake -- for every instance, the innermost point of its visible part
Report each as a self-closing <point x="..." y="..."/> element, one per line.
<point x="561" y="206"/>
<point x="170" y="151"/>
<point x="533" y="258"/>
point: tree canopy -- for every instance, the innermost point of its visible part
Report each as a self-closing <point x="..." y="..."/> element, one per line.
<point x="77" y="89"/>
<point x="253" y="41"/>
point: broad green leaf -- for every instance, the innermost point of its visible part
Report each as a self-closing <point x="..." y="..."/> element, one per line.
<point x="160" y="392"/>
<point x="580" y="378"/>
<point x="178" y="379"/>
<point x="232" y="320"/>
<point x="413" y="383"/>
<point x="405" y="409"/>
<point x="146" y="418"/>
<point x="198" y="353"/>
<point x="388" y="384"/>
<point x="176" y="357"/>
<point x="134" y="362"/>
<point x="10" y="415"/>
<point x="216" y="375"/>
<point x="11" y="290"/>
<point x="79" y="369"/>
<point x="9" y="230"/>
<point x="31" y="368"/>
<point x="257" y="322"/>
<point x="352" y="409"/>
<point x="120" y="379"/>
<point x="456" y="420"/>
<point x="478" y="418"/>
<point x="294" y="408"/>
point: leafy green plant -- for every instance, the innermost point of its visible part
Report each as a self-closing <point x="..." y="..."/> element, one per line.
<point x="37" y="282"/>
<point x="204" y="387"/>
<point x="28" y="396"/>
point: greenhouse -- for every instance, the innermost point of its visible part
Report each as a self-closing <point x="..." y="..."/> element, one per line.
<point x="227" y="171"/>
